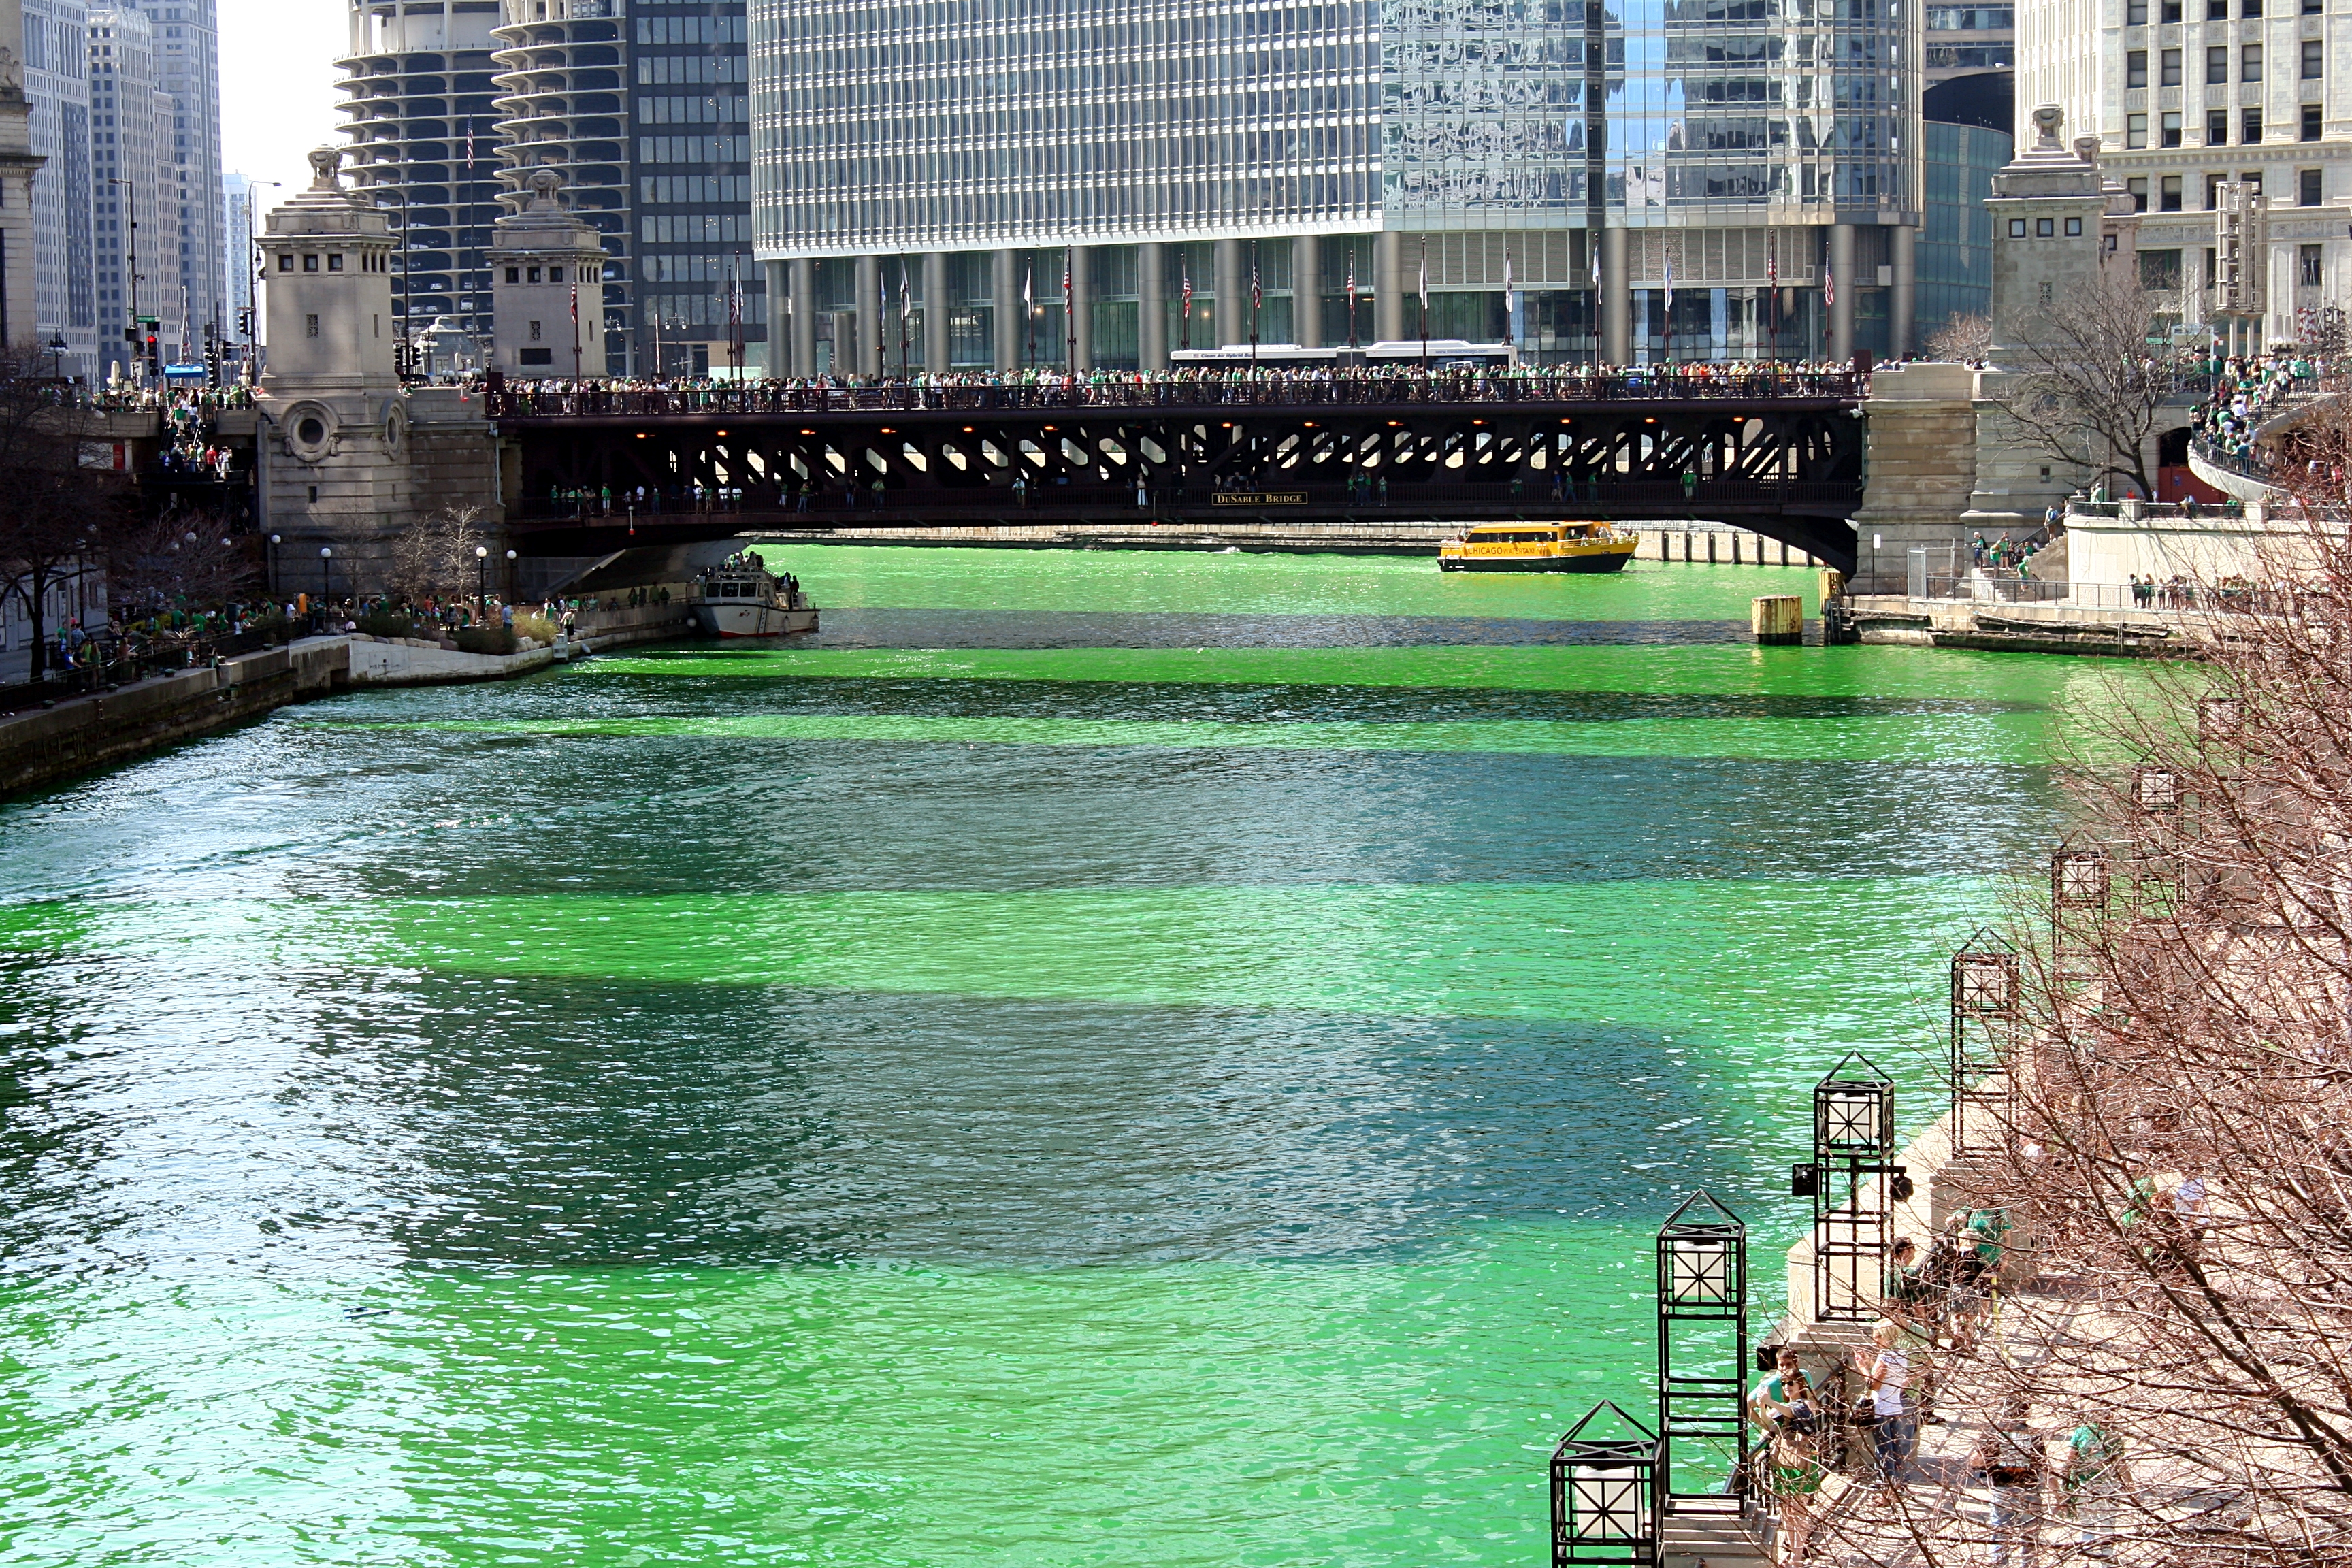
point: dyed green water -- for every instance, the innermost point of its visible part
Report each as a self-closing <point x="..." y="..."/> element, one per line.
<point x="1099" y="1060"/>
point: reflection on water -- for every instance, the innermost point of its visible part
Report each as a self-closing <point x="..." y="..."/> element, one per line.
<point x="566" y="1122"/>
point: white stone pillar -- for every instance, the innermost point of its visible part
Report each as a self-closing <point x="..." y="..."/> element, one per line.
<point x="1151" y="305"/>
<point x="935" y="312"/>
<point x="1306" y="291"/>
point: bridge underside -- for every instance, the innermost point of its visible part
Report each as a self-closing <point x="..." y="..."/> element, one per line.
<point x="1790" y="471"/>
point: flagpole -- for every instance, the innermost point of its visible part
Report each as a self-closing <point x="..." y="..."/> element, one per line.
<point x="1351" y="297"/>
<point x="1029" y="311"/>
<point x="1257" y="297"/>
<point x="1069" y="312"/>
<point x="1425" y="305"/>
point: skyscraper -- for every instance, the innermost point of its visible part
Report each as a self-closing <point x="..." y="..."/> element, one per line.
<point x="57" y="92"/>
<point x="1645" y="170"/>
<point x="642" y="108"/>
<point x="421" y="110"/>
<point x="135" y="181"/>
<point x="188" y="55"/>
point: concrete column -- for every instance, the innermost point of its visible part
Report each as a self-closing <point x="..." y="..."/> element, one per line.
<point x="1233" y="295"/>
<point x="1388" y="306"/>
<point x="1004" y="295"/>
<point x="1841" y="314"/>
<point x="777" y="275"/>
<point x="935" y="312"/>
<point x="803" y="328"/>
<point x="1902" y="304"/>
<point x="1616" y="300"/>
<point x="1151" y="305"/>
<point x="1306" y="291"/>
<point x="1082" y="306"/>
<point x="870" y="312"/>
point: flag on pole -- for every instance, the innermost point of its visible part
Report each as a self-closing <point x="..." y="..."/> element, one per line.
<point x="1257" y="295"/>
<point x="1669" y="282"/>
<point x="1829" y="284"/>
<point x="1425" y="280"/>
<point x="1593" y="250"/>
<point x="1771" y="261"/>
<point x="905" y="297"/>
<point x="469" y="144"/>
<point x="1351" y="281"/>
<point x="1510" y="299"/>
<point x="1185" y="315"/>
<point x="1028" y="290"/>
<point x="575" y="304"/>
<point x="1069" y="298"/>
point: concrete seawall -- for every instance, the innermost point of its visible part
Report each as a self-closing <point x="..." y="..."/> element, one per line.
<point x="86" y="734"/>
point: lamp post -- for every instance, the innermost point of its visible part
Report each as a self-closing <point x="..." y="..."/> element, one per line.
<point x="57" y="345"/>
<point x="1604" y="1492"/>
<point x="253" y="292"/>
<point x="1853" y="1187"/>
<point x="130" y="211"/>
<point x="510" y="573"/>
<point x="275" y="540"/>
<point x="482" y="576"/>
<point x="326" y="575"/>
<point x="1984" y="1014"/>
<point x="1703" y="1280"/>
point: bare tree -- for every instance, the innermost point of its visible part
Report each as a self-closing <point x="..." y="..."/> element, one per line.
<point x="435" y="555"/>
<point x="2174" y="1111"/>
<point x="56" y="517"/>
<point x="180" y="558"/>
<point x="2089" y="381"/>
<point x="1963" y="340"/>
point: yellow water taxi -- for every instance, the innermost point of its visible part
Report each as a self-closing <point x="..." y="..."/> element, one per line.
<point x="1538" y="547"/>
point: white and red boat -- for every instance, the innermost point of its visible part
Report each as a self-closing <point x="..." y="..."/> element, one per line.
<point x="741" y="598"/>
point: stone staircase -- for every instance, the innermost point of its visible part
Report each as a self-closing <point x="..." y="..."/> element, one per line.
<point x="1707" y="1535"/>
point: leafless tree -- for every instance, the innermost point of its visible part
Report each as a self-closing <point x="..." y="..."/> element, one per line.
<point x="1963" y="340"/>
<point x="2175" y="1107"/>
<point x="2088" y="383"/>
<point x="183" y="558"/>
<point x="58" y="518"/>
<point x="435" y="555"/>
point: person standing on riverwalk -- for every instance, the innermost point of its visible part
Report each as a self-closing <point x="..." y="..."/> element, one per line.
<point x="2094" y="1480"/>
<point x="1886" y="1371"/>
<point x="2011" y="1457"/>
<point x="1792" y="1474"/>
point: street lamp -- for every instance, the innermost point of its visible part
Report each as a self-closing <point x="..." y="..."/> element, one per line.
<point x="481" y="573"/>
<point x="1702" y="1279"/>
<point x="275" y="540"/>
<point x="1604" y="1493"/>
<point x="510" y="573"/>
<point x="57" y="346"/>
<point x="326" y="575"/>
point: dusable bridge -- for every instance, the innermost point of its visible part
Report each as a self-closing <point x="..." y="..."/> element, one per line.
<point x="1779" y="452"/>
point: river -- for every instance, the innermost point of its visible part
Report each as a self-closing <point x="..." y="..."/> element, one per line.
<point x="1096" y="1058"/>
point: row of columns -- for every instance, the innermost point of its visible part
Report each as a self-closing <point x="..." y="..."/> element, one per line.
<point x="1394" y="283"/>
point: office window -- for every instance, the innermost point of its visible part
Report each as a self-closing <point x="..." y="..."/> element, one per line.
<point x="335" y="262"/>
<point x="2017" y="228"/>
<point x="2307" y="265"/>
<point x="2252" y="180"/>
<point x="2213" y="190"/>
<point x="2310" y="123"/>
<point x="2135" y="129"/>
<point x="2250" y="63"/>
<point x="2313" y="8"/>
<point x="2171" y="128"/>
<point x="2135" y="14"/>
<point x="2044" y="228"/>
<point x="284" y="263"/>
<point x="514" y="275"/>
<point x="2169" y="65"/>
<point x="555" y="275"/>
<point x="2168" y="194"/>
<point x="2073" y="228"/>
<point x="2250" y="8"/>
<point x="2253" y="125"/>
<point x="2159" y="270"/>
<point x="2217" y="65"/>
<point x="2217" y="10"/>
<point x="2138" y="189"/>
<point x="2217" y="128"/>
<point x="2135" y="67"/>
<point x="2306" y="188"/>
<point x="2314" y="60"/>
<point x="310" y="264"/>
<point x="2171" y="12"/>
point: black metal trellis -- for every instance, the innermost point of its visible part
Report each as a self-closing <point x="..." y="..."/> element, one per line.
<point x="1984" y="1022"/>
<point x="1855" y="1187"/>
<point x="1604" y="1493"/>
<point x="1702" y="1280"/>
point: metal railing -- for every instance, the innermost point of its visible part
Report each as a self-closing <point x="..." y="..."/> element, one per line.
<point x="1277" y="497"/>
<point x="1176" y="391"/>
<point x="103" y="662"/>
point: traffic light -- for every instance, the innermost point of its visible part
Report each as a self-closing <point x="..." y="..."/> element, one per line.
<point x="150" y="329"/>
<point x="245" y="320"/>
<point x="212" y="359"/>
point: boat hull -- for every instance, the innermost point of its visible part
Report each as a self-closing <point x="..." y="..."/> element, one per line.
<point x="747" y="620"/>
<point x="1611" y="560"/>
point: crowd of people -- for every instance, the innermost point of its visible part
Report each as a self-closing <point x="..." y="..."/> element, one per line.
<point x="1403" y="382"/>
<point x="2004" y="553"/>
<point x="2244" y="391"/>
<point x="1935" y="1308"/>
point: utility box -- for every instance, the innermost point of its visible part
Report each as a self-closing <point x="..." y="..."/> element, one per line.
<point x="1777" y="617"/>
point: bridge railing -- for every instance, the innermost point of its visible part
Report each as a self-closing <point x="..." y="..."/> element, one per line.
<point x="1175" y="392"/>
<point x="1191" y="502"/>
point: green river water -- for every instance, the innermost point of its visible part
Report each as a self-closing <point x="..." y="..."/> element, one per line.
<point x="1095" y="1058"/>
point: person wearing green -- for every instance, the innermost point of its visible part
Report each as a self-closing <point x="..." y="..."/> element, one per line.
<point x="1793" y="1474"/>
<point x="2095" y="1479"/>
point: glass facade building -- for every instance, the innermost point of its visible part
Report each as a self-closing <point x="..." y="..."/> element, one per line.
<point x="905" y="152"/>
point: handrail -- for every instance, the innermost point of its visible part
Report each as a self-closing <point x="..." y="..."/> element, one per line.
<point x="1175" y="392"/>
